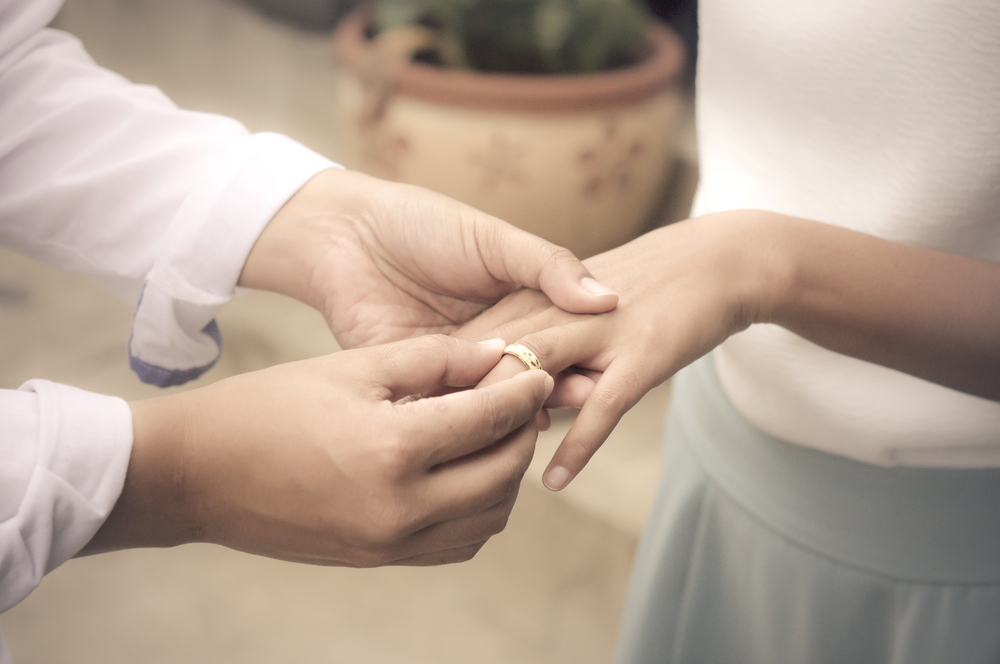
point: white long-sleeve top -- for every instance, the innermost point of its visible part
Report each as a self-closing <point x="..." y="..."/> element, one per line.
<point x="110" y="179"/>
<point x="882" y="117"/>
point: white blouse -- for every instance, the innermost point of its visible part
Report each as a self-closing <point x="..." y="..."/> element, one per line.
<point x="110" y="179"/>
<point x="883" y="117"/>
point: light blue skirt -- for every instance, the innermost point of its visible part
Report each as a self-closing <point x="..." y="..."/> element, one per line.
<point x="762" y="552"/>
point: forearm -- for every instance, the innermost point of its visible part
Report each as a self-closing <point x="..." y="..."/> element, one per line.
<point x="152" y="510"/>
<point x="930" y="314"/>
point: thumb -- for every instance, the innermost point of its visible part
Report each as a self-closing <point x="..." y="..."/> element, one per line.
<point x="471" y="420"/>
<point x="415" y="366"/>
<point x="530" y="261"/>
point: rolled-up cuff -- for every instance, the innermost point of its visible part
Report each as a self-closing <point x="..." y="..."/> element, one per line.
<point x="174" y="335"/>
<point x="82" y="444"/>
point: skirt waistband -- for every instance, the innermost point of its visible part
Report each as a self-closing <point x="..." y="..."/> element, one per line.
<point x="917" y="524"/>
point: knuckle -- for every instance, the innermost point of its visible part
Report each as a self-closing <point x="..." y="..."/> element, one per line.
<point x="376" y="364"/>
<point x="436" y="345"/>
<point x="648" y="335"/>
<point x="500" y="420"/>
<point x="504" y="510"/>
<point x="395" y="457"/>
<point x="523" y="452"/>
<point x="466" y="553"/>
<point x="442" y="342"/>
<point x="537" y="343"/>
<point x="500" y="524"/>
<point x="492" y="523"/>
<point x="542" y="345"/>
<point x="469" y="553"/>
<point x="609" y="400"/>
<point x="546" y="343"/>
<point x="647" y="330"/>
<point x="560" y="256"/>
<point x="385" y="522"/>
<point x="615" y="399"/>
<point x="575" y="448"/>
<point x="365" y="550"/>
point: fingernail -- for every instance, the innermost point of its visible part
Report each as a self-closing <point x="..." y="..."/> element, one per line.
<point x="500" y="343"/>
<point x="556" y="478"/>
<point x="595" y="287"/>
<point x="550" y="383"/>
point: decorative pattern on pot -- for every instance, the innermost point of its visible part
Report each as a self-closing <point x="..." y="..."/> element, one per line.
<point x="610" y="168"/>
<point x="579" y="160"/>
<point x="500" y="161"/>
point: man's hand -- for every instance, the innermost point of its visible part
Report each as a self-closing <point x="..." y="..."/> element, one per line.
<point x="338" y="460"/>
<point x="385" y="261"/>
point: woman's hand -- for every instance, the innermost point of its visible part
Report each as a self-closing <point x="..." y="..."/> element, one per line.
<point x="385" y="261"/>
<point x="337" y="460"/>
<point x="685" y="288"/>
<point x="682" y="290"/>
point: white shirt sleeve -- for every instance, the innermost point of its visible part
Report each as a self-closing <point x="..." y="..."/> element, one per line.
<point x="64" y="455"/>
<point x="110" y="179"/>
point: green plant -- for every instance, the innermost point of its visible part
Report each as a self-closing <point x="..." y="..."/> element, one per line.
<point x="520" y="36"/>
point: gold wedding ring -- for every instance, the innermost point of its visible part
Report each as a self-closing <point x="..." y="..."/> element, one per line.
<point x="524" y="354"/>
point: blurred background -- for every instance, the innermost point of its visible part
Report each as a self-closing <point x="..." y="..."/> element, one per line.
<point x="548" y="589"/>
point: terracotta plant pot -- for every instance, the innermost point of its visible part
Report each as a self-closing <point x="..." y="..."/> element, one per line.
<point x="580" y="160"/>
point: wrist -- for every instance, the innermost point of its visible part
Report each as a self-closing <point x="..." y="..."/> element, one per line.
<point x="153" y="508"/>
<point x="770" y="249"/>
<point x="285" y="255"/>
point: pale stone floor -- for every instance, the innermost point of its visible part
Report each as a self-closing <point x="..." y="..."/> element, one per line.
<point x="548" y="589"/>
